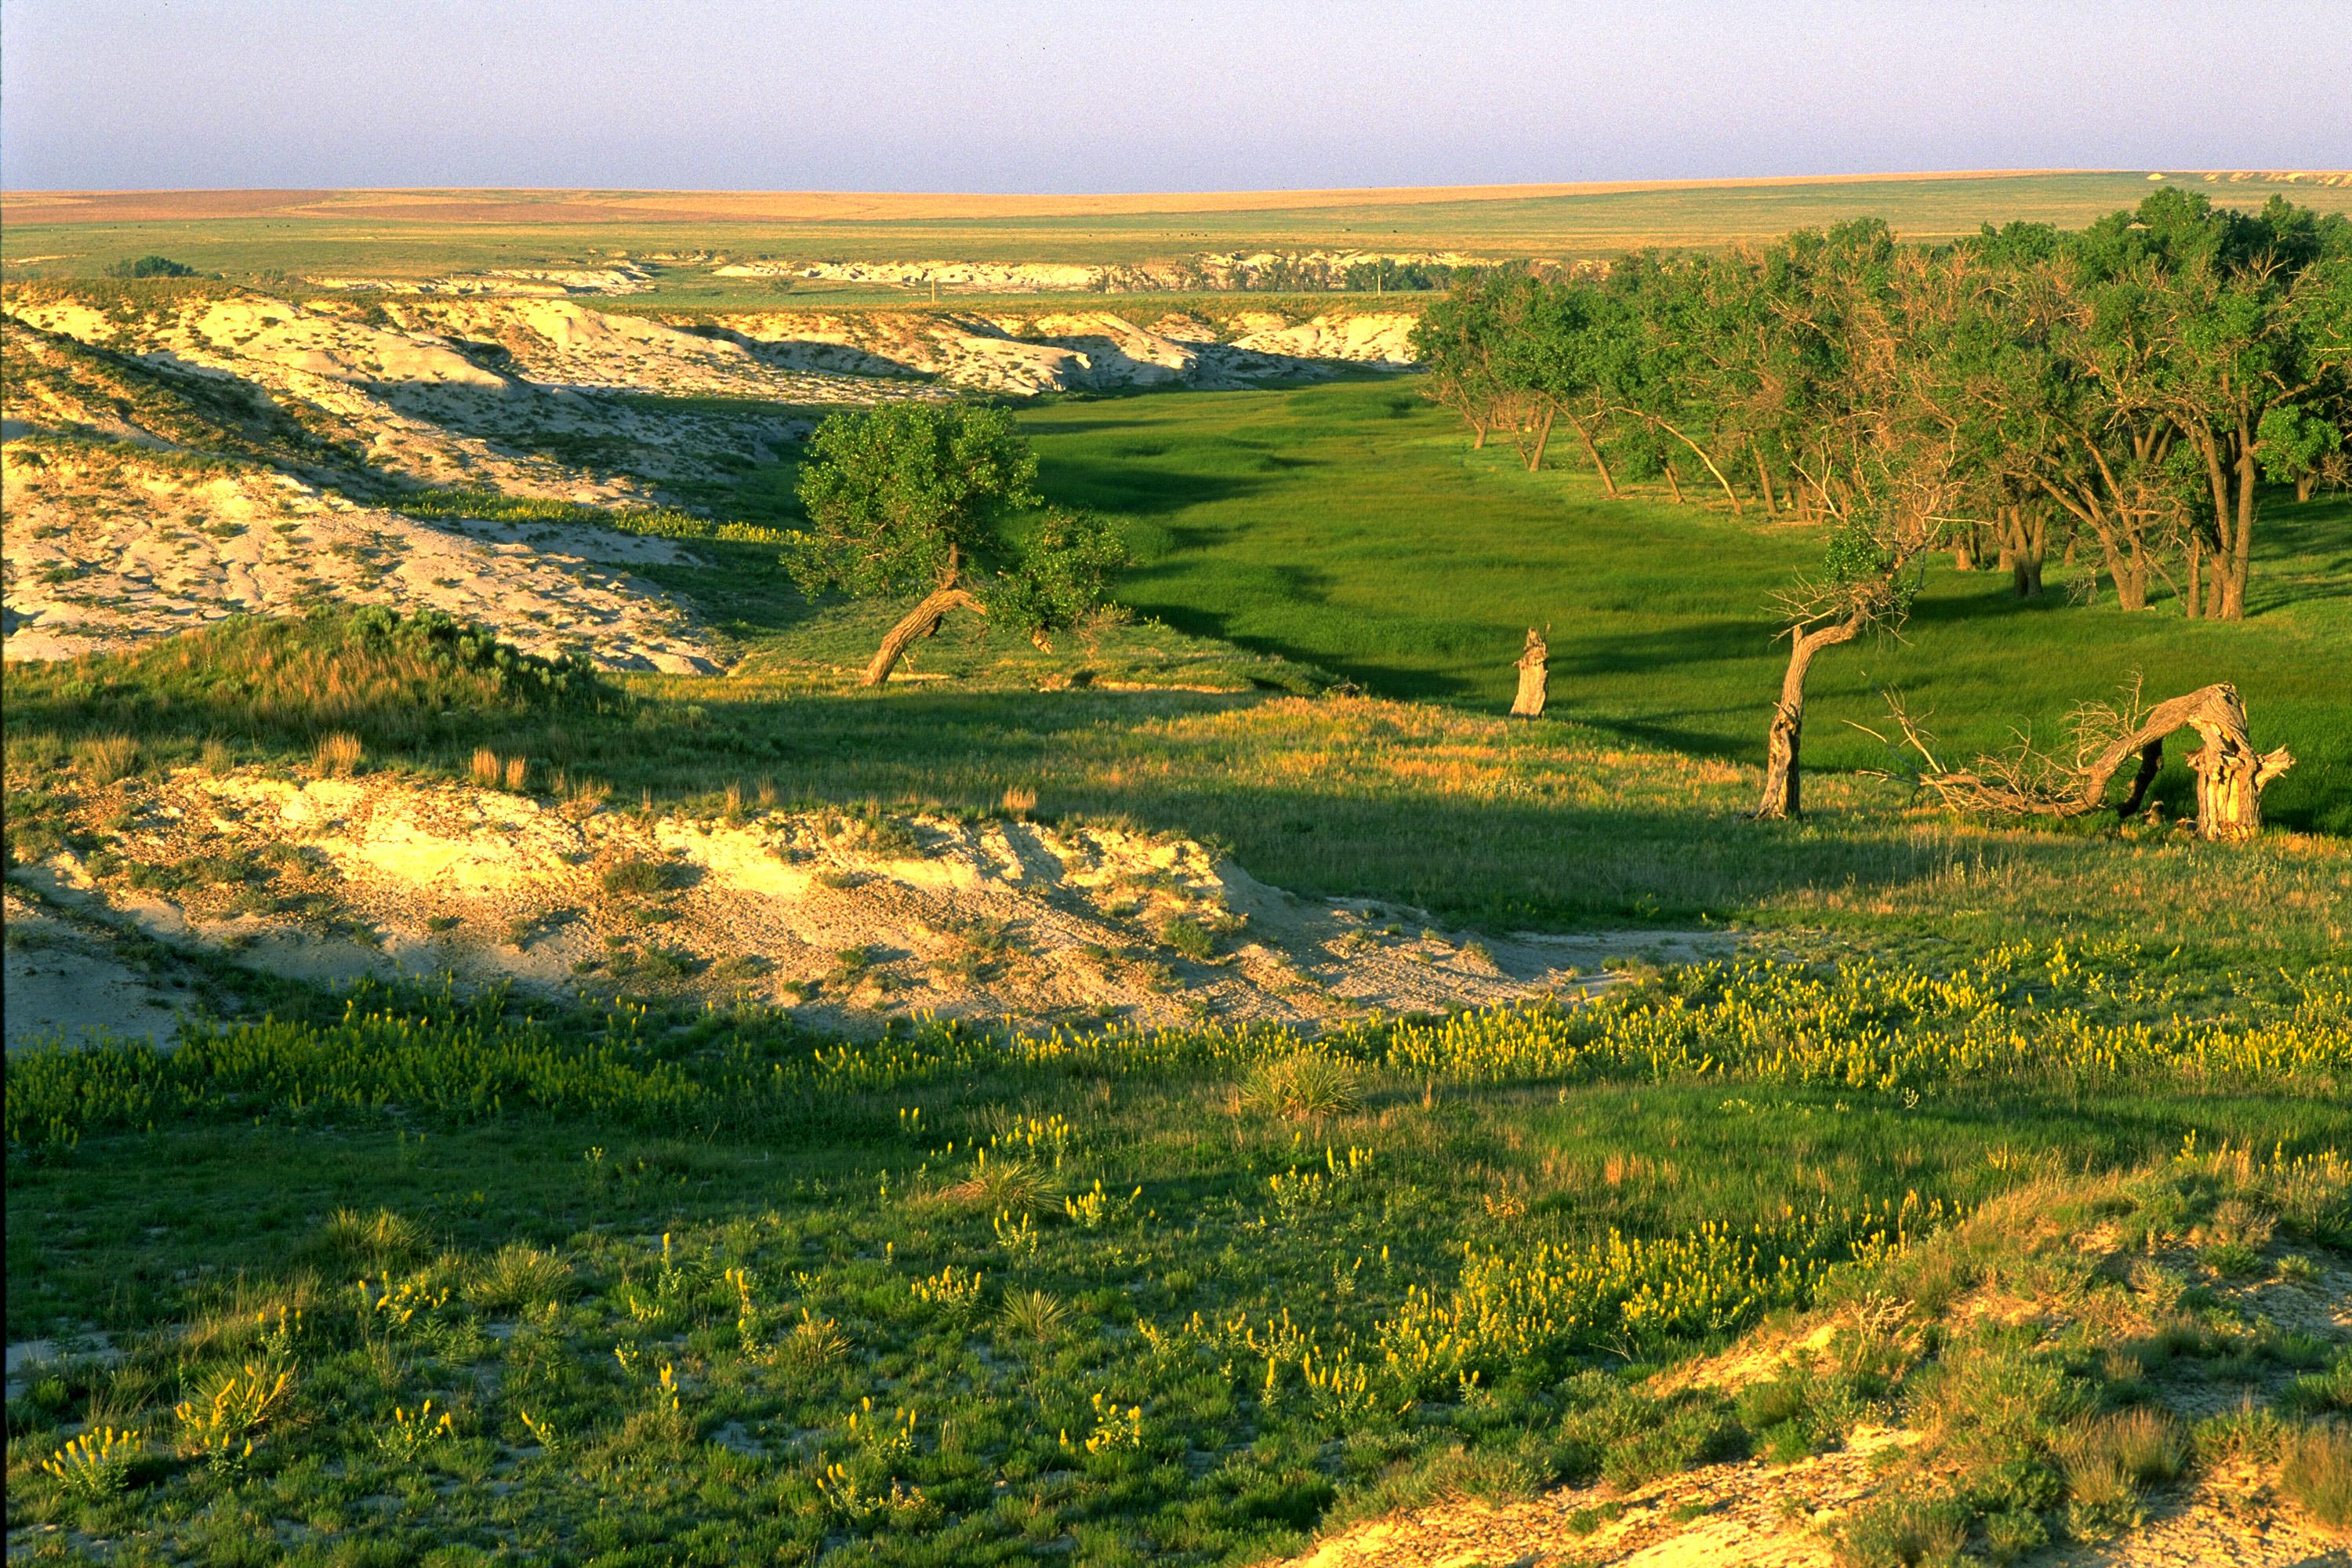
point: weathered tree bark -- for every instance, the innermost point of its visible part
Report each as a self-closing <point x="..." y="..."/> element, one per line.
<point x="1673" y="482"/>
<point x="1543" y="439"/>
<point x="2230" y="774"/>
<point x="1783" y="764"/>
<point x="1535" y="678"/>
<point x="2023" y="535"/>
<point x="917" y="623"/>
<point x="1764" y="483"/>
<point x="1737" y="509"/>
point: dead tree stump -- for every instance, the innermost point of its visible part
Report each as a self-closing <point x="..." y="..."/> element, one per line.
<point x="2230" y="774"/>
<point x="1535" y="678"/>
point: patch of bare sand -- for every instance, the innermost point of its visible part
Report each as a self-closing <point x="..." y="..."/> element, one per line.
<point x="1026" y="353"/>
<point x="455" y="411"/>
<point x="851" y="921"/>
<point x="66" y="984"/>
<point x="105" y="549"/>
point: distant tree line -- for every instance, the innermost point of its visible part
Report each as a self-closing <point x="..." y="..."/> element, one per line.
<point x="2124" y="390"/>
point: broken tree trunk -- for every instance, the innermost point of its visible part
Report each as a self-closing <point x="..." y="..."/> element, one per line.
<point x="1535" y="678"/>
<point x="917" y="623"/>
<point x="2230" y="774"/>
<point x="1783" y="769"/>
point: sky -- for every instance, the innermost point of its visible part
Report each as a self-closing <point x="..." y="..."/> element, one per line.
<point x="1149" y="95"/>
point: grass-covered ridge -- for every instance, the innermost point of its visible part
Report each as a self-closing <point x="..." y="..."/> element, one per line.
<point x="392" y="679"/>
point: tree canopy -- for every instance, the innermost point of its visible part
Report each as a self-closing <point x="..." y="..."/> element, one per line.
<point x="939" y="499"/>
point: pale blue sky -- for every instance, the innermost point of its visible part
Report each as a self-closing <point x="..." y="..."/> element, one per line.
<point x="1074" y="95"/>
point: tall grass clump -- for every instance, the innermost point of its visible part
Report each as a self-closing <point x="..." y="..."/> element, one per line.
<point x="2316" y="1471"/>
<point x="384" y="681"/>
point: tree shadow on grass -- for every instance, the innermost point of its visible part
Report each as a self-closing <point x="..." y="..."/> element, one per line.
<point x="1134" y="489"/>
<point x="1470" y="857"/>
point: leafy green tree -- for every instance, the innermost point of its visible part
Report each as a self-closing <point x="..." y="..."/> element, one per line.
<point x="939" y="499"/>
<point x="151" y="267"/>
<point x="2294" y="445"/>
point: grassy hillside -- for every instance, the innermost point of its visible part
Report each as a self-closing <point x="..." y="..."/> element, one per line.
<point x="666" y="1290"/>
<point x="1352" y="527"/>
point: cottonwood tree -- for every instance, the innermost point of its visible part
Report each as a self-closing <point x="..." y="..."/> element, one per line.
<point x="2132" y="386"/>
<point x="938" y="499"/>
<point x="1864" y="585"/>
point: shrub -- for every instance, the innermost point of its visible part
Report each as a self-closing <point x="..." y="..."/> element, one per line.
<point x="106" y="757"/>
<point x="370" y="1242"/>
<point x="1012" y="1184"/>
<point x="1038" y="1315"/>
<point x="150" y="267"/>
<point x="94" y="1465"/>
<point x="517" y="1277"/>
<point x="1902" y="1533"/>
<point x="2139" y="1446"/>
<point x="637" y="876"/>
<point x="1191" y="938"/>
<point x="230" y="1408"/>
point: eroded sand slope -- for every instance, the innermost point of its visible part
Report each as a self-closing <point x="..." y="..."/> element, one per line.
<point x="851" y="920"/>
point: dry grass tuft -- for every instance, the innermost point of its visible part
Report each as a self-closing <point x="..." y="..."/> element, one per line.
<point x="338" y="755"/>
<point x="1306" y="1087"/>
<point x="106" y="757"/>
<point x="2315" y="1470"/>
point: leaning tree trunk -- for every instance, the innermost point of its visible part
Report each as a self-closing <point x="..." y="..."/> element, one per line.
<point x="1535" y="678"/>
<point x="1783" y="768"/>
<point x="2230" y="774"/>
<point x="916" y="624"/>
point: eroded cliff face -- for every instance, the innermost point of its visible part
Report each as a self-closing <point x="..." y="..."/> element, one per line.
<point x="173" y="461"/>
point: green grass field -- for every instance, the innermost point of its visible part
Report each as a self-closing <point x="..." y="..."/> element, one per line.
<point x="437" y="1278"/>
<point x="402" y="1277"/>
<point x="347" y="234"/>
<point x="1352" y="527"/>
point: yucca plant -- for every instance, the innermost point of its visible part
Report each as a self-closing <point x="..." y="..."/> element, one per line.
<point x="518" y="1277"/>
<point x="1038" y="1315"/>
<point x="1010" y="1184"/>
<point x="1306" y="1087"/>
